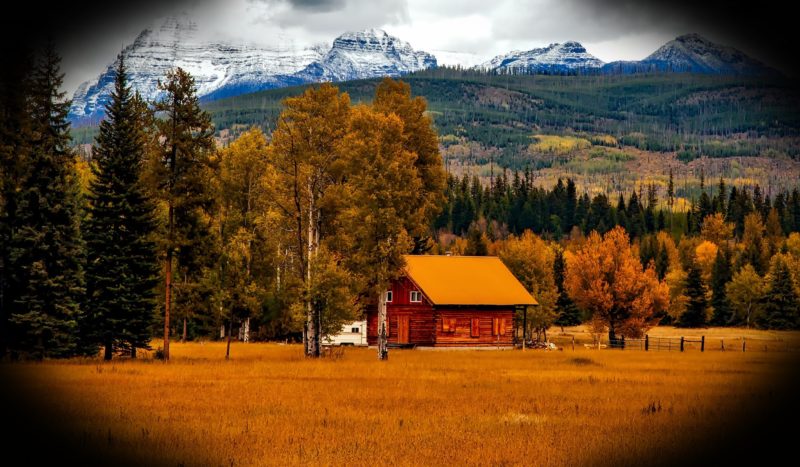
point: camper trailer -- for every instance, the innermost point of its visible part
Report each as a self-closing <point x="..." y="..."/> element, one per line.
<point x="352" y="334"/>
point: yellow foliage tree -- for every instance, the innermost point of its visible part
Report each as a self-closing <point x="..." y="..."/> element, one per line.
<point x="530" y="259"/>
<point x="716" y="230"/>
<point x="705" y="254"/>
<point x="605" y="278"/>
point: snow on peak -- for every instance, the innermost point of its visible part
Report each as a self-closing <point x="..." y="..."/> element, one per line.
<point x="565" y="56"/>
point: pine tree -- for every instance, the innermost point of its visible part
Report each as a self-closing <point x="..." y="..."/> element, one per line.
<point x="181" y="178"/>
<point x="662" y="262"/>
<point x="568" y="312"/>
<point x="122" y="269"/>
<point x="696" y="306"/>
<point x="46" y="251"/>
<point x="721" y="274"/>
<point x="782" y="305"/>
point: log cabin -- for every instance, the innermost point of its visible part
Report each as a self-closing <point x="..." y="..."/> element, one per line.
<point x="451" y="301"/>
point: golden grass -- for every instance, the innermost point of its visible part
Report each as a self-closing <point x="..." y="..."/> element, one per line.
<point x="269" y="405"/>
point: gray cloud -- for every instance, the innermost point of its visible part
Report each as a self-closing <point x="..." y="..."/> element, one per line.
<point x="318" y="5"/>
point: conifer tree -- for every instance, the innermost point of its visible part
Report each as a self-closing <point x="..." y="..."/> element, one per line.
<point x="568" y="312"/>
<point x="15" y="138"/>
<point x="122" y="268"/>
<point x="721" y="274"/>
<point x="782" y="305"/>
<point x="46" y="250"/>
<point x="696" y="305"/>
<point x="181" y="176"/>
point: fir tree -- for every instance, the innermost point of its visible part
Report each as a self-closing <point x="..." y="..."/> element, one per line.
<point x="696" y="305"/>
<point x="721" y="274"/>
<point x="662" y="262"/>
<point x="568" y="313"/>
<point x="46" y="251"/>
<point x="782" y="305"/>
<point x="122" y="271"/>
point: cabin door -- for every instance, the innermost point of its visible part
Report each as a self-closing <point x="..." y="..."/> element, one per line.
<point x="402" y="329"/>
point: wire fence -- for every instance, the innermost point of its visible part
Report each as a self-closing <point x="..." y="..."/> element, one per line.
<point x="676" y="344"/>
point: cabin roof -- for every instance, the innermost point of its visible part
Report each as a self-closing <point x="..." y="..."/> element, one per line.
<point x="466" y="280"/>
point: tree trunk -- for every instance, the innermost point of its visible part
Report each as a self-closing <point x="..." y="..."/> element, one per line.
<point x="109" y="350"/>
<point x="133" y="352"/>
<point x="183" y="336"/>
<point x="312" y="332"/>
<point x="228" y="349"/>
<point x="246" y="335"/>
<point x="383" y="338"/>
<point x="167" y="300"/>
<point x="612" y="336"/>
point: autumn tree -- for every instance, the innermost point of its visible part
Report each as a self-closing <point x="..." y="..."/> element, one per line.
<point x="606" y="278"/>
<point x="243" y="220"/>
<point x="181" y="173"/>
<point x="716" y="230"/>
<point x="306" y="150"/>
<point x="122" y="268"/>
<point x="745" y="292"/>
<point x="381" y="199"/>
<point x="418" y="137"/>
<point x="531" y="261"/>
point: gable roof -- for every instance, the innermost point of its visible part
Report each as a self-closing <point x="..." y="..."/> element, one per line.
<point x="466" y="280"/>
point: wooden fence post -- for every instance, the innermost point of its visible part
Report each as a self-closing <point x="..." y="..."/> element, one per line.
<point x="722" y="344"/>
<point x="743" y="344"/>
<point x="702" y="343"/>
<point x="573" y="343"/>
<point x="681" y="343"/>
<point x="646" y="342"/>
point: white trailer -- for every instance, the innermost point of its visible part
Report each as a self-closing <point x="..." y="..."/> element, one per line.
<point x="351" y="334"/>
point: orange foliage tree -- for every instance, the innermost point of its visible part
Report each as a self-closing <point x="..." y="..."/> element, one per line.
<point x="607" y="279"/>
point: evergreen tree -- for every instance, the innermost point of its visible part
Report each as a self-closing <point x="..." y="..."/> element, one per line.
<point x="696" y="305"/>
<point x="568" y="312"/>
<point x="782" y="305"/>
<point x="181" y="176"/>
<point x="46" y="250"/>
<point x="476" y="243"/>
<point x="15" y="138"/>
<point x="122" y="269"/>
<point x="721" y="274"/>
<point x="662" y="262"/>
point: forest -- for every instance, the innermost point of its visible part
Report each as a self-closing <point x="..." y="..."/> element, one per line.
<point x="286" y="213"/>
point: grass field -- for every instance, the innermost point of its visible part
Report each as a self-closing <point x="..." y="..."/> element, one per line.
<point x="269" y="405"/>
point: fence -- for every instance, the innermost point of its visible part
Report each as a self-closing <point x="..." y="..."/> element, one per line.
<point x="668" y="344"/>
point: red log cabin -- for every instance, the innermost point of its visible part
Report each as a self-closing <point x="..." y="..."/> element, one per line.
<point x="451" y="301"/>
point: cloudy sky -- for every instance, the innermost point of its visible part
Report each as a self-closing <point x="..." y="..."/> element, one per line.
<point x="609" y="29"/>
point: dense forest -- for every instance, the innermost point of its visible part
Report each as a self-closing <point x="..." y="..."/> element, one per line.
<point x="173" y="225"/>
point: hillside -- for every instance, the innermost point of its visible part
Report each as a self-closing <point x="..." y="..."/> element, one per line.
<point x="692" y="114"/>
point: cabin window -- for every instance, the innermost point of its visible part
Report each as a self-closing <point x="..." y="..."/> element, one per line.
<point x="498" y="326"/>
<point x="354" y="330"/>
<point x="416" y="297"/>
<point x="475" y="328"/>
<point x="448" y="325"/>
<point x="388" y="296"/>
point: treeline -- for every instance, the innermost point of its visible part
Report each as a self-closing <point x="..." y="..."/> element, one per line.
<point x="163" y="230"/>
<point x="513" y="204"/>
<point x="732" y="259"/>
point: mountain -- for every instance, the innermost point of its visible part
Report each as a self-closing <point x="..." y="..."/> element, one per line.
<point x="367" y="54"/>
<point x="568" y="56"/>
<point x="222" y="69"/>
<point x="695" y="54"/>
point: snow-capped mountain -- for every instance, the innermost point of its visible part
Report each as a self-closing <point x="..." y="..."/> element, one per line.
<point x="223" y="69"/>
<point x="553" y="58"/>
<point x="367" y="54"/>
<point x="693" y="53"/>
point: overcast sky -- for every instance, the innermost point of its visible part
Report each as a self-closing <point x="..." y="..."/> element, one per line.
<point x="609" y="29"/>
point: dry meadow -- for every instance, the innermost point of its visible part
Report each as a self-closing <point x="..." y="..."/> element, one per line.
<point x="268" y="405"/>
